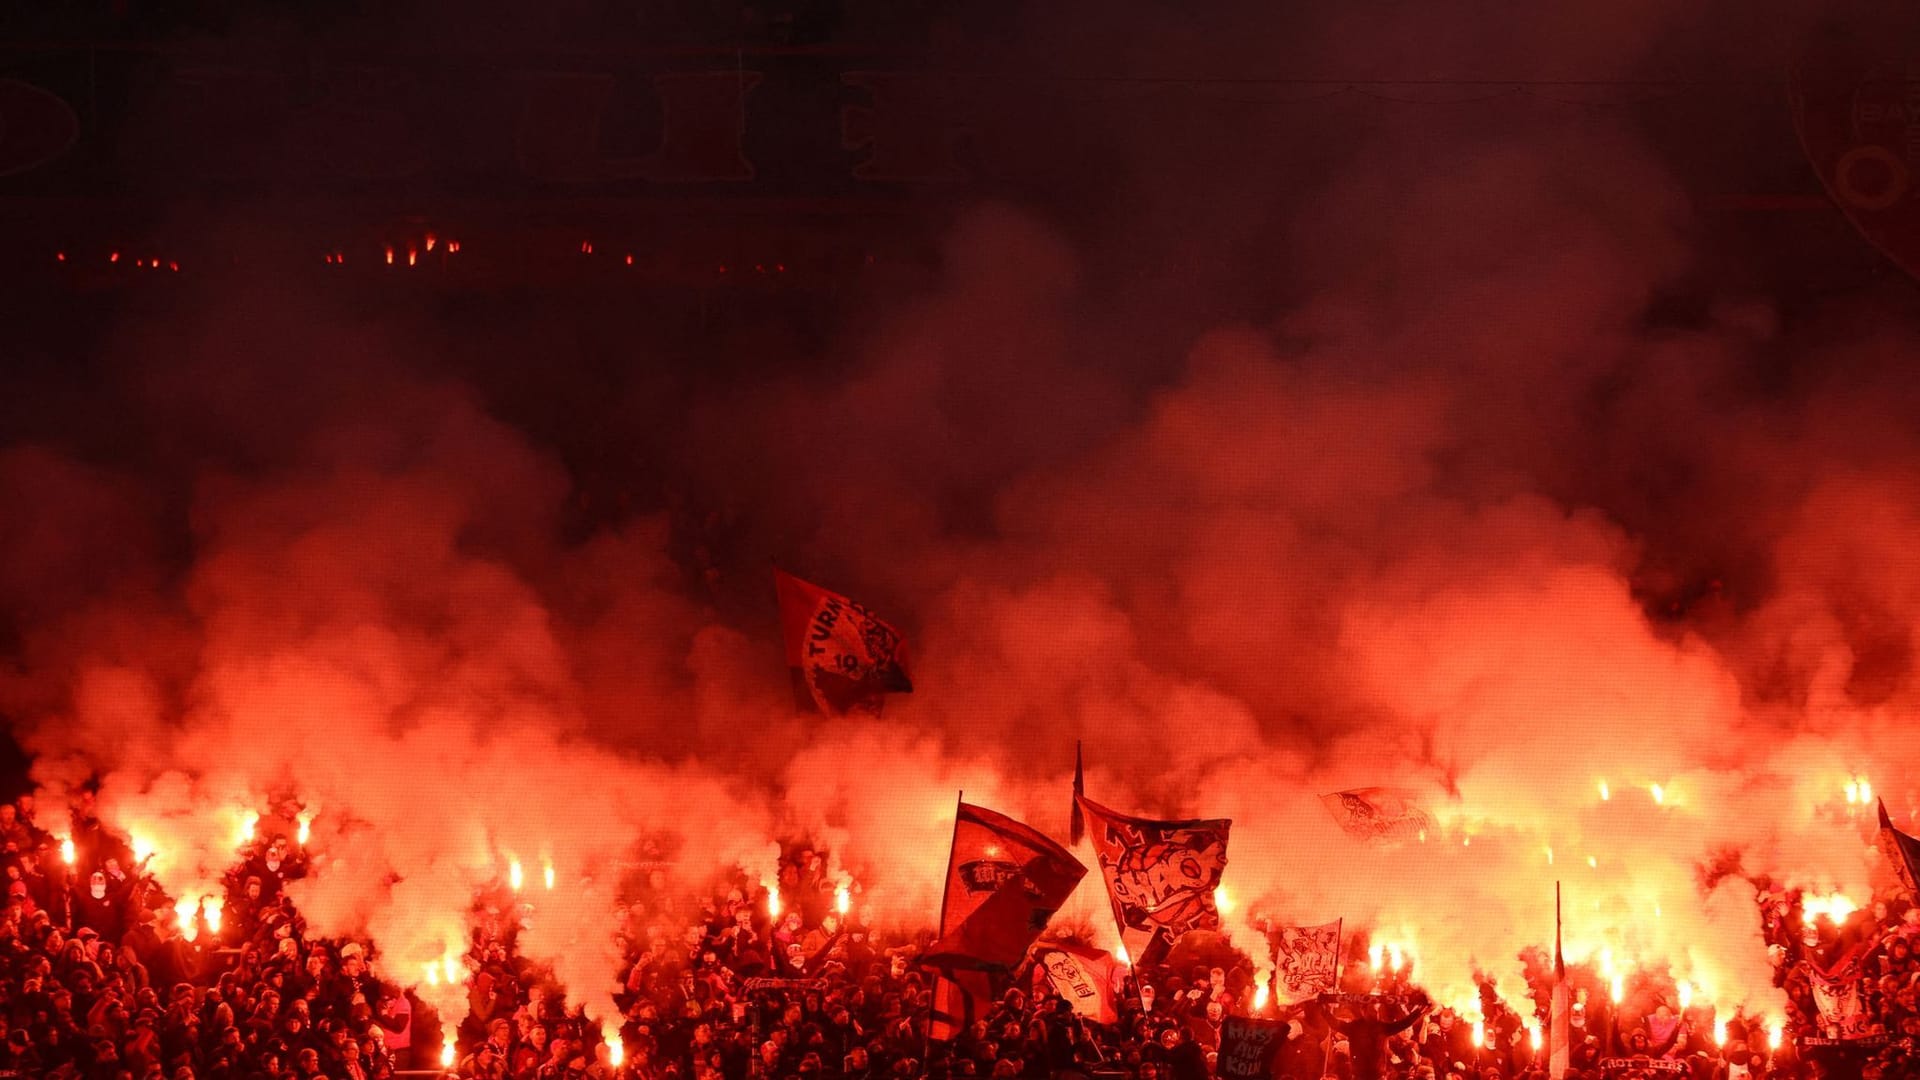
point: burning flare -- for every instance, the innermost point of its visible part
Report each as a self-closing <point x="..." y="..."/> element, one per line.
<point x="306" y="828"/>
<point x="1260" y="996"/>
<point x="773" y="901"/>
<point x="842" y="899"/>
<point x="211" y="907"/>
<point x="1221" y="901"/>
<point x="514" y="875"/>
<point x="446" y="1055"/>
<point x="549" y="875"/>
<point x="66" y="850"/>
<point x="248" y="821"/>
<point x="184" y="911"/>
<point x="616" y="1050"/>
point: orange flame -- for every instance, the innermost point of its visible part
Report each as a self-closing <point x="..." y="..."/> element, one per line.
<point x="842" y="899"/>
<point x="1260" y="996"/>
<point x="446" y="1055"/>
<point x="184" y="911"/>
<point x="66" y="850"/>
<point x="305" y="829"/>
<point x="773" y="901"/>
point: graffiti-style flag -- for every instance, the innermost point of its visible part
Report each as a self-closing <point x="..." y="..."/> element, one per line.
<point x="1085" y="978"/>
<point x="1004" y="881"/>
<point x="1160" y="876"/>
<point x="1838" y="997"/>
<point x="1902" y="852"/>
<point x="1247" y="1047"/>
<point x="1306" y="960"/>
<point x="959" y="998"/>
<point x="1378" y="813"/>
<point x="843" y="657"/>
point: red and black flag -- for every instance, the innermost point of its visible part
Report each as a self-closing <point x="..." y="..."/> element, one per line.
<point x="959" y="998"/>
<point x="1004" y="881"/>
<point x="1902" y="852"/>
<point x="1160" y="875"/>
<point x="843" y="657"/>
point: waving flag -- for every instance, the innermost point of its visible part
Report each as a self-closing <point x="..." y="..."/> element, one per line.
<point x="1378" y="813"/>
<point x="842" y="656"/>
<point x="1902" y="852"/>
<point x="1160" y="875"/>
<point x="1247" y="1047"/>
<point x="1083" y="977"/>
<point x="1004" y="881"/>
<point x="1306" y="960"/>
<point x="959" y="998"/>
<point x="1840" y="1000"/>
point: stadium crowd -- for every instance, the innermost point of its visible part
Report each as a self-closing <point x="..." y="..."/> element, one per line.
<point x="99" y="979"/>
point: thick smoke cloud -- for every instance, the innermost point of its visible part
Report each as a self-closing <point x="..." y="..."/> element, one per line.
<point x="1406" y="512"/>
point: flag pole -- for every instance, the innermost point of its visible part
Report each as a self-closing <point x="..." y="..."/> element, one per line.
<point x="933" y="999"/>
<point x="1339" y="954"/>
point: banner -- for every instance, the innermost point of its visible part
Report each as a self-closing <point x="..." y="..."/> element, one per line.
<point x="1160" y="875"/>
<point x="1853" y="93"/>
<point x="1247" y="1047"/>
<point x="1642" y="1066"/>
<point x="843" y="657"/>
<point x="1086" y="979"/>
<point x="1004" y="881"/>
<point x="1306" y="960"/>
<point x="1902" y="852"/>
<point x="1841" y="1003"/>
<point x="959" y="998"/>
<point x="1378" y="813"/>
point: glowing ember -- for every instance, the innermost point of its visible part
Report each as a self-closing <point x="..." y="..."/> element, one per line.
<point x="514" y="875"/>
<point x="842" y="899"/>
<point x="548" y="874"/>
<point x="66" y="850"/>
